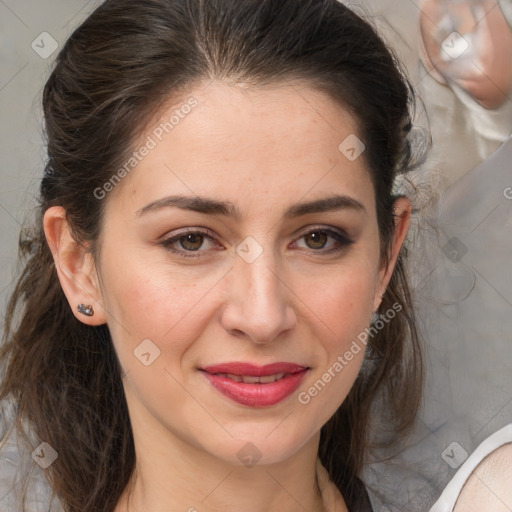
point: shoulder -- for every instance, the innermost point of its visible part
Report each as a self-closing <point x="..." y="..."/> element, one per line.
<point x="490" y="485"/>
<point x="484" y="481"/>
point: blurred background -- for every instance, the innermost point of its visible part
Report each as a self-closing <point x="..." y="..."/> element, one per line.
<point x="458" y="56"/>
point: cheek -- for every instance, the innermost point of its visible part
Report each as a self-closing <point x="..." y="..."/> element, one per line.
<point x="342" y="316"/>
<point x="340" y="302"/>
<point x="339" y="305"/>
<point x="148" y="300"/>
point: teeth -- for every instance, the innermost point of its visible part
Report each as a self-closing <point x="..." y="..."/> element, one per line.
<point x="253" y="380"/>
<point x="271" y="378"/>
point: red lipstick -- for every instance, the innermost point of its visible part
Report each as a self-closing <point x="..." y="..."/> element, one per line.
<point x="256" y="386"/>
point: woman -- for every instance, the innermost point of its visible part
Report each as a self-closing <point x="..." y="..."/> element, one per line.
<point x="217" y="226"/>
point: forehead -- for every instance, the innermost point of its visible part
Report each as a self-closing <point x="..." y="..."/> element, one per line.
<point x="272" y="142"/>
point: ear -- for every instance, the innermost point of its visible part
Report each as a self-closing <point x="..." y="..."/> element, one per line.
<point x="75" y="266"/>
<point x="402" y="211"/>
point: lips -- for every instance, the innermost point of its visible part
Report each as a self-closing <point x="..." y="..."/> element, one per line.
<point x="248" y="369"/>
<point x="252" y="385"/>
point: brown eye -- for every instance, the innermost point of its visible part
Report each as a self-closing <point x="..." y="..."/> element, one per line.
<point x="191" y="241"/>
<point x="316" y="239"/>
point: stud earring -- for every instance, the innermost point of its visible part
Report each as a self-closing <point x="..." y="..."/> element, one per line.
<point x="85" y="309"/>
<point x="375" y="317"/>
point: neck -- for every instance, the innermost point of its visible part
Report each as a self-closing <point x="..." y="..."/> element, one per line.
<point x="171" y="474"/>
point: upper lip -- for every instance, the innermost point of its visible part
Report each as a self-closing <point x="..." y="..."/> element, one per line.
<point x="251" y="370"/>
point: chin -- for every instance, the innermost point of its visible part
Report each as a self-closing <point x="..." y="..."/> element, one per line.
<point x="262" y="446"/>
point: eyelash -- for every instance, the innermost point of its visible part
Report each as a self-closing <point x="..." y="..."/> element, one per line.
<point x="343" y="240"/>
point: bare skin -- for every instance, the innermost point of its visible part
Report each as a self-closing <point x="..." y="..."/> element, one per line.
<point x="264" y="150"/>
<point x="489" y="487"/>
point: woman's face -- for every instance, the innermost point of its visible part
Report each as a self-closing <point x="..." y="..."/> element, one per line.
<point x="243" y="234"/>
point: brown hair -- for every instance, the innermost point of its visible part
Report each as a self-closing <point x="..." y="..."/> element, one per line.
<point x="111" y="77"/>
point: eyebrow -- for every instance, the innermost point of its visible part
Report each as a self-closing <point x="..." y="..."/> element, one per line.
<point x="228" y="209"/>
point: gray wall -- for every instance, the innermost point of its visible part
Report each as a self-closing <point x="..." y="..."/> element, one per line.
<point x="23" y="73"/>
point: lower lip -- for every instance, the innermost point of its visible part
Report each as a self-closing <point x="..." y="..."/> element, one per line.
<point x="257" y="395"/>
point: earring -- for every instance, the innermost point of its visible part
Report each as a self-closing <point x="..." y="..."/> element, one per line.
<point x="375" y="317"/>
<point x="85" y="309"/>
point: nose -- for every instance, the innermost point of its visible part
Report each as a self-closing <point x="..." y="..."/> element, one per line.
<point x="258" y="303"/>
